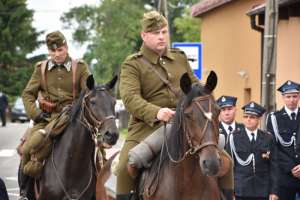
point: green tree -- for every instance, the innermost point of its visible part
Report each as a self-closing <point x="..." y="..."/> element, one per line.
<point x="17" y="39"/>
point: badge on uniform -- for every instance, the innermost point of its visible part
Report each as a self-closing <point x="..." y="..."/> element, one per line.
<point x="266" y="155"/>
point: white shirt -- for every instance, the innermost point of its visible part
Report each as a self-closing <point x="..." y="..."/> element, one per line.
<point x="227" y="125"/>
<point x="249" y="134"/>
<point x="289" y="112"/>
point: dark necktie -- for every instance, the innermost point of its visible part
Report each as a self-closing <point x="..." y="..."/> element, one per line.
<point x="252" y="141"/>
<point x="230" y="129"/>
<point x="293" y="115"/>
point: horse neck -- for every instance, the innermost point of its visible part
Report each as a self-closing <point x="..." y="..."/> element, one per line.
<point x="77" y="143"/>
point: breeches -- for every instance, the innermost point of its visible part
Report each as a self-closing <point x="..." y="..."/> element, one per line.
<point x="125" y="183"/>
<point x="29" y="143"/>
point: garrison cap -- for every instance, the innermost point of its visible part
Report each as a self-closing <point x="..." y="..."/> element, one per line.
<point x="289" y="87"/>
<point x="55" y="40"/>
<point x="253" y="108"/>
<point x="224" y="101"/>
<point x="153" y="21"/>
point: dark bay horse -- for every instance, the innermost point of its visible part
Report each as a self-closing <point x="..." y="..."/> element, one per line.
<point x="189" y="159"/>
<point x="70" y="172"/>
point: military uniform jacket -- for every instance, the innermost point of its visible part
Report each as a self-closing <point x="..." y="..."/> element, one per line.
<point x="288" y="157"/>
<point x="59" y="86"/>
<point x="263" y="180"/>
<point x="238" y="127"/>
<point x="143" y="92"/>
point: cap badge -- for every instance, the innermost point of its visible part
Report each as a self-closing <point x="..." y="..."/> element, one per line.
<point x="223" y="99"/>
<point x="252" y="105"/>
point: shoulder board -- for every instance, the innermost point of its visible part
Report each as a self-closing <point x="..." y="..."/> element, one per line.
<point x="176" y="50"/>
<point x="39" y="64"/>
<point x="134" y="56"/>
<point x="80" y="61"/>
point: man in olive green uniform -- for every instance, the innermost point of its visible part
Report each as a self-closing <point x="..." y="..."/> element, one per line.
<point x="55" y="83"/>
<point x="147" y="98"/>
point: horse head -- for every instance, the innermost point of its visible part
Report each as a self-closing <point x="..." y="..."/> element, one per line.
<point x="99" y="112"/>
<point x="200" y="122"/>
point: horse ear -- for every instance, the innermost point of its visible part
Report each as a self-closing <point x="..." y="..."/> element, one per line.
<point x="185" y="83"/>
<point x="90" y="82"/>
<point x="211" y="81"/>
<point x="111" y="83"/>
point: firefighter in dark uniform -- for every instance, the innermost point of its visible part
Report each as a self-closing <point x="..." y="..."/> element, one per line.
<point x="284" y="125"/>
<point x="227" y="123"/>
<point x="255" y="158"/>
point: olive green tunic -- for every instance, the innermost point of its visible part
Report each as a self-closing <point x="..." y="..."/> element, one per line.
<point x="143" y="94"/>
<point x="60" y="91"/>
<point x="59" y="85"/>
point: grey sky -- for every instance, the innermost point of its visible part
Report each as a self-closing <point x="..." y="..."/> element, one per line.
<point x="46" y="17"/>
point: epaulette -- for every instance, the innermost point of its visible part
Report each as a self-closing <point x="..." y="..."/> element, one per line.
<point x="134" y="56"/>
<point x="81" y="61"/>
<point x="39" y="64"/>
<point x="176" y="50"/>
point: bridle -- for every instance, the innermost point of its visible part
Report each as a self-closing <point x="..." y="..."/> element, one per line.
<point x="90" y="121"/>
<point x="94" y="125"/>
<point x="193" y="149"/>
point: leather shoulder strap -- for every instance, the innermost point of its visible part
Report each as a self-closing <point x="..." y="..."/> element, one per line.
<point x="74" y="69"/>
<point x="163" y="79"/>
<point x="43" y="72"/>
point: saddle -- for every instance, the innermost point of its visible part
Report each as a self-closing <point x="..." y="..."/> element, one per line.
<point x="41" y="144"/>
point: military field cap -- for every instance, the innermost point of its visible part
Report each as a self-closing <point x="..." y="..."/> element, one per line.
<point x="225" y="101"/>
<point x="253" y="108"/>
<point x="153" y="21"/>
<point x="289" y="87"/>
<point x="55" y="40"/>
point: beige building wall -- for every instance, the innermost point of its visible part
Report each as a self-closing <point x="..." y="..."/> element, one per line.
<point x="288" y="53"/>
<point x="232" y="49"/>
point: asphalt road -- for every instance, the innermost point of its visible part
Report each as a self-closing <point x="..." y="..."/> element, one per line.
<point x="9" y="159"/>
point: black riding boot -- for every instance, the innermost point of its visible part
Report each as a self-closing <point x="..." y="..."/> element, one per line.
<point x="227" y="194"/>
<point x="26" y="184"/>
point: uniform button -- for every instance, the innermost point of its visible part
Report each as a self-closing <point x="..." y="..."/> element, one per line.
<point x="296" y="156"/>
<point x="59" y="78"/>
<point x="169" y="75"/>
<point x="163" y="62"/>
<point x="294" y="134"/>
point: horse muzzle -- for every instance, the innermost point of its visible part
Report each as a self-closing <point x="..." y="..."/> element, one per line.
<point x="209" y="165"/>
<point x="110" y="138"/>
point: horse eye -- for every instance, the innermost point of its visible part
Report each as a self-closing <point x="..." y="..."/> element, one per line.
<point x="189" y="115"/>
<point x="92" y="102"/>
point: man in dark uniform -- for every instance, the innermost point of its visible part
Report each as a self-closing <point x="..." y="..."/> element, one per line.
<point x="3" y="191"/>
<point x="3" y="108"/>
<point x="255" y="158"/>
<point x="227" y="118"/>
<point x="55" y="83"/>
<point x="284" y="125"/>
<point x="148" y="99"/>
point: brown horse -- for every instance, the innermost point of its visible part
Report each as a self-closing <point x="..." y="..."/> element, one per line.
<point x="189" y="160"/>
<point x="69" y="172"/>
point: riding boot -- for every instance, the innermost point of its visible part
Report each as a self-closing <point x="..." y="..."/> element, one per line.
<point x="26" y="187"/>
<point x="228" y="194"/>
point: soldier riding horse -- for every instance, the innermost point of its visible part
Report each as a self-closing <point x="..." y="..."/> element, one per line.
<point x="70" y="171"/>
<point x="189" y="162"/>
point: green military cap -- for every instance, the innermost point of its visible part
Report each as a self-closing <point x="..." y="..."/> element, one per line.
<point x="153" y="21"/>
<point x="55" y="40"/>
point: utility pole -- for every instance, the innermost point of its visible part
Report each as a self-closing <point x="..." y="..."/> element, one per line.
<point x="163" y="8"/>
<point x="269" y="57"/>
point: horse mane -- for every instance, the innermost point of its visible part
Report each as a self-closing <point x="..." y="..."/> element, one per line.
<point x="77" y="106"/>
<point x="176" y="140"/>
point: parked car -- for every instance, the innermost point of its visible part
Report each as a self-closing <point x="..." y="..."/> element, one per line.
<point x="18" y="112"/>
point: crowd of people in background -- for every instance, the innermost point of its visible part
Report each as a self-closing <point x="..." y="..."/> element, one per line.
<point x="266" y="162"/>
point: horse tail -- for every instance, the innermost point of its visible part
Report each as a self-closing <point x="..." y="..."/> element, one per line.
<point x="103" y="176"/>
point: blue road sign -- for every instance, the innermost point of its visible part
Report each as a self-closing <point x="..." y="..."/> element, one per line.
<point x="193" y="51"/>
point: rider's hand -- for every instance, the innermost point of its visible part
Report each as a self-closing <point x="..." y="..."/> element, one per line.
<point x="42" y="117"/>
<point x="165" y="114"/>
